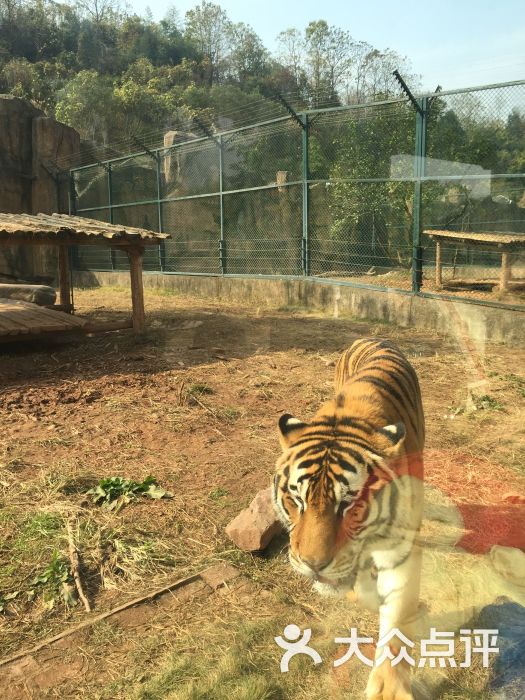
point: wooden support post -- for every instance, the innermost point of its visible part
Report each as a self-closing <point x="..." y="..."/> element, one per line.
<point x="505" y="272"/>
<point x="439" y="280"/>
<point x="135" y="256"/>
<point x="64" y="277"/>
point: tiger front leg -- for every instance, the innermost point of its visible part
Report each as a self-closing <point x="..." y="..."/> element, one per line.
<point x="398" y="589"/>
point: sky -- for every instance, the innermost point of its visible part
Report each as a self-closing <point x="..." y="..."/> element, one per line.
<point x="453" y="43"/>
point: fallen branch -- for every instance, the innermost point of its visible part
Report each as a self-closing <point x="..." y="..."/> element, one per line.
<point x="98" y="618"/>
<point x="75" y="566"/>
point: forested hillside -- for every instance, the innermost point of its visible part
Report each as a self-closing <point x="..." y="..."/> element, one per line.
<point x="115" y="76"/>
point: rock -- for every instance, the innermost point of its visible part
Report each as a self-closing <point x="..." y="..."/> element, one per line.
<point x="31" y="144"/>
<point x="255" y="527"/>
<point x="35" y="293"/>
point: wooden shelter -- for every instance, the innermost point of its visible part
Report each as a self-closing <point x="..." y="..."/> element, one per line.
<point x="504" y="243"/>
<point x="65" y="231"/>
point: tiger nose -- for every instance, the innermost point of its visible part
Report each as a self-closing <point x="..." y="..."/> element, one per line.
<point x="317" y="564"/>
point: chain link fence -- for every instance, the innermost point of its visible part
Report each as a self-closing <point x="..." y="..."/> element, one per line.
<point x="364" y="194"/>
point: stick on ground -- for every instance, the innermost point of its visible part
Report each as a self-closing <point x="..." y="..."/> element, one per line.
<point x="75" y="567"/>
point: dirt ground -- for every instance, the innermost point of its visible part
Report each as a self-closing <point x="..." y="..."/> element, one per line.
<point x="195" y="403"/>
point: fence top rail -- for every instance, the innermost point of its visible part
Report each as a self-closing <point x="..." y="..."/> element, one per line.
<point x="303" y="112"/>
<point x="459" y="91"/>
<point x="181" y="144"/>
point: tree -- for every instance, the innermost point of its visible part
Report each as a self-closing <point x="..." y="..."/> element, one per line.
<point x="291" y="54"/>
<point x="329" y="59"/>
<point x="208" y="29"/>
<point x="100" y="11"/>
<point x="87" y="104"/>
<point x="37" y="82"/>
<point x="248" y="59"/>
<point x="376" y="74"/>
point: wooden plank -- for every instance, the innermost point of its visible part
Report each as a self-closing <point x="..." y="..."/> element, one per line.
<point x="18" y="322"/>
<point x="493" y="239"/>
<point x="12" y="322"/>
<point x="104" y="326"/>
<point x="19" y="317"/>
<point x="53" y="315"/>
<point x="135" y="256"/>
<point x="40" y="314"/>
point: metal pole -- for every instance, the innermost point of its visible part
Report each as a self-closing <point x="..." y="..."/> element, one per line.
<point x="112" y="255"/>
<point x="419" y="172"/>
<point x="222" y="242"/>
<point x="72" y="194"/>
<point x="162" y="246"/>
<point x="72" y="210"/>
<point x="305" y="252"/>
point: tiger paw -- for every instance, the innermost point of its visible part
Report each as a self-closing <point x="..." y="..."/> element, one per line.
<point x="388" y="682"/>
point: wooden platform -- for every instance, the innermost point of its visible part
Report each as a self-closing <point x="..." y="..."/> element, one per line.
<point x="22" y="320"/>
<point x="504" y="243"/>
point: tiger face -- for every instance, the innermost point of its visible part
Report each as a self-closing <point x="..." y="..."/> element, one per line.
<point x="324" y="490"/>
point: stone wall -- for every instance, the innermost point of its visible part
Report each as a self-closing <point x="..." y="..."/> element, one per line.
<point x="31" y="144"/>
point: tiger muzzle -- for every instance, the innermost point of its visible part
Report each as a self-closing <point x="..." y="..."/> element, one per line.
<point x="313" y="541"/>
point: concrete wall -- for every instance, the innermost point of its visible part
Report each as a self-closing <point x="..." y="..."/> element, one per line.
<point x="464" y="321"/>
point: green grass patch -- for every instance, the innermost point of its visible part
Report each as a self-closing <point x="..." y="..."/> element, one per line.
<point x="516" y="382"/>
<point x="228" y="414"/>
<point x="217" y="493"/>
<point x="486" y="402"/>
<point x="235" y="661"/>
<point x="198" y="389"/>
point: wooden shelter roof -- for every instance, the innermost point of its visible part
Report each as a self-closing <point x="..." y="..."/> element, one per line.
<point x="63" y="229"/>
<point x="489" y="238"/>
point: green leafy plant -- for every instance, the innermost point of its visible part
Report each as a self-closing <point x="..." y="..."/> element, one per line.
<point x="487" y="402"/>
<point x="115" y="492"/>
<point x="55" y="582"/>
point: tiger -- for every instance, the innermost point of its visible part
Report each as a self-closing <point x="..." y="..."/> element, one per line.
<point x="349" y="489"/>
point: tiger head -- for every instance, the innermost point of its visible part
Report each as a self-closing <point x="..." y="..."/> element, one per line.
<point x="324" y="490"/>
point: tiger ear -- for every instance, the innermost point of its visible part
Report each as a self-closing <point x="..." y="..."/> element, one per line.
<point x="395" y="437"/>
<point x="288" y="425"/>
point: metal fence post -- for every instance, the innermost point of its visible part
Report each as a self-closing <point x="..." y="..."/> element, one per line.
<point x="305" y="251"/>
<point x="162" y="246"/>
<point x="72" y="194"/>
<point x="419" y="171"/>
<point x="112" y="255"/>
<point x="222" y="242"/>
<point x="72" y="210"/>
